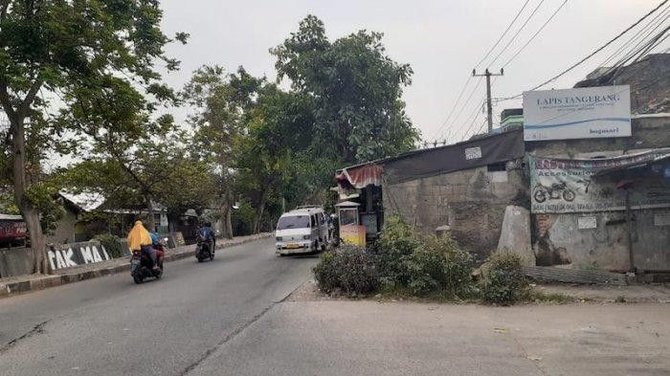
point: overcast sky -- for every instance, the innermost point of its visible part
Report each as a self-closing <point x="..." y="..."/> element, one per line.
<point x="442" y="40"/>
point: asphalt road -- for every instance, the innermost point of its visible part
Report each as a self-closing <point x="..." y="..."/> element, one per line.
<point x="110" y="326"/>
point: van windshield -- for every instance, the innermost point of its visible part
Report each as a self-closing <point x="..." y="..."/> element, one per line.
<point x="298" y="221"/>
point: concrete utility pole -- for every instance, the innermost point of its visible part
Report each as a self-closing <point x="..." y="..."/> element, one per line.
<point x="489" y="105"/>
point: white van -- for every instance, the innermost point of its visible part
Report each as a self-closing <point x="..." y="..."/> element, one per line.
<point x="303" y="230"/>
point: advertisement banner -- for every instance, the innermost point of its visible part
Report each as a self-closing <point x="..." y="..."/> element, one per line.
<point x="594" y="112"/>
<point x="570" y="185"/>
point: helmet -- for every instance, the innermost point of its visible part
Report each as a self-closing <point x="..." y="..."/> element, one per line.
<point x="155" y="239"/>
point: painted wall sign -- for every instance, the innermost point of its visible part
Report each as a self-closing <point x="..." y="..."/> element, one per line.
<point x="594" y="112"/>
<point x="68" y="255"/>
<point x="569" y="186"/>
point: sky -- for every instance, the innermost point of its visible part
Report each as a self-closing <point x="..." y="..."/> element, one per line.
<point x="442" y="40"/>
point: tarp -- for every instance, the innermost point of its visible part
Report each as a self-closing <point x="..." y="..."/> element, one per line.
<point x="488" y="150"/>
<point x="361" y="176"/>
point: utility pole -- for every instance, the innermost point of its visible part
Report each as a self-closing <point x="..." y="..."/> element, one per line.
<point x="489" y="105"/>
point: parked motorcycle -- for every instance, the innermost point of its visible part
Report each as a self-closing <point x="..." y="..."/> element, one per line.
<point x="554" y="192"/>
<point x="203" y="250"/>
<point x="141" y="266"/>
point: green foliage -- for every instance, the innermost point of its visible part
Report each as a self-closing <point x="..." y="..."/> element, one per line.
<point x="111" y="244"/>
<point x="395" y="249"/>
<point x="349" y="269"/>
<point x="503" y="281"/>
<point x="356" y="89"/>
<point x="440" y="265"/>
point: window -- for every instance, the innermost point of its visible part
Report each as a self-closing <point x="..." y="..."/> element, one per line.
<point x="298" y="221"/>
<point x="496" y="167"/>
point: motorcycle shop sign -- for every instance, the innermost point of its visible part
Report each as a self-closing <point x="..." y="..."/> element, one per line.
<point x="68" y="255"/>
<point x="569" y="186"/>
<point x="594" y="112"/>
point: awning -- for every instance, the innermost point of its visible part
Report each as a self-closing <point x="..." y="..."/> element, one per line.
<point x="359" y="177"/>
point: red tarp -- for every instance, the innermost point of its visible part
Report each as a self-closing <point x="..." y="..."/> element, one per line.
<point x="361" y="176"/>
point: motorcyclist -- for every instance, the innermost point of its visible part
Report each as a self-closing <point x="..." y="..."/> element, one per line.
<point x="207" y="235"/>
<point x="158" y="247"/>
<point x="139" y="240"/>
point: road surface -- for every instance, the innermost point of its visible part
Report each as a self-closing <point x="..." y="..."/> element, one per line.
<point x="231" y="317"/>
<point x="110" y="326"/>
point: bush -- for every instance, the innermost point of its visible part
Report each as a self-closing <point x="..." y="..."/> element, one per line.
<point x="111" y="244"/>
<point x="440" y="266"/>
<point x="394" y="250"/>
<point x="351" y="269"/>
<point x="326" y="272"/>
<point x="503" y="280"/>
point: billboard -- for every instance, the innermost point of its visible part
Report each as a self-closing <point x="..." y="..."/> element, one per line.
<point x="593" y="112"/>
<point x="570" y="186"/>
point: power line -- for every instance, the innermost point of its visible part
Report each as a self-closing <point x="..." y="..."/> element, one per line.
<point x="594" y="52"/>
<point x="601" y="48"/>
<point x="517" y="32"/>
<point x="503" y="34"/>
<point x="635" y="37"/>
<point x="467" y="101"/>
<point x="451" y="112"/>
<point x="536" y="33"/>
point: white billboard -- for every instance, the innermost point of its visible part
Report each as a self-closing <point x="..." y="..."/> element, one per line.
<point x="593" y="112"/>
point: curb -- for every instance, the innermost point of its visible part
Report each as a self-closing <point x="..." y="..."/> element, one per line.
<point x="41" y="283"/>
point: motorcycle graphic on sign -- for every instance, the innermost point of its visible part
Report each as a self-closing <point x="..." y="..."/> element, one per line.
<point x="555" y="191"/>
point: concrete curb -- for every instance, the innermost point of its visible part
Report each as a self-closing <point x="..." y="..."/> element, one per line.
<point x="47" y="281"/>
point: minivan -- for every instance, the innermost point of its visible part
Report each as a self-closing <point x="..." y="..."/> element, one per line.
<point x="303" y="230"/>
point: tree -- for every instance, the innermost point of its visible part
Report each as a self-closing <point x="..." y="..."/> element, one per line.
<point x="279" y="127"/>
<point x="69" y="50"/>
<point x="221" y="101"/>
<point x="357" y="90"/>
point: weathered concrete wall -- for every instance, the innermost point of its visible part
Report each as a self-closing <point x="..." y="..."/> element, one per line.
<point x="557" y="238"/>
<point x="562" y="241"/>
<point x="15" y="261"/>
<point x="472" y="202"/>
<point x="647" y="133"/>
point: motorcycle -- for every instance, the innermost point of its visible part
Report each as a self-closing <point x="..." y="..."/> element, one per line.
<point x="203" y="250"/>
<point x="140" y="265"/>
<point x="554" y="192"/>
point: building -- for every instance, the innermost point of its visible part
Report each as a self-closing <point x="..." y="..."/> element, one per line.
<point x="465" y="186"/>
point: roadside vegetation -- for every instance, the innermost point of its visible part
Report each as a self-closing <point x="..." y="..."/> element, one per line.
<point x="405" y="264"/>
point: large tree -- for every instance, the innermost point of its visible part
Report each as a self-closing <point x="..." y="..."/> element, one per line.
<point x="221" y="102"/>
<point x="357" y="91"/>
<point x="71" y="50"/>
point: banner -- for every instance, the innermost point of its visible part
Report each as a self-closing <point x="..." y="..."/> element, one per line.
<point x="594" y="112"/>
<point x="353" y="234"/>
<point x="569" y="185"/>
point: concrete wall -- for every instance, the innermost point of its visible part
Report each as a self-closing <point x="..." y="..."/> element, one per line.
<point x="557" y="238"/>
<point x="560" y="240"/>
<point x="15" y="261"/>
<point x="472" y="202"/>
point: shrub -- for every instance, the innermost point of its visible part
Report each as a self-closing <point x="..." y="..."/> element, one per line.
<point x="394" y="250"/>
<point x="326" y="273"/>
<point x="111" y="244"/>
<point x="440" y="266"/>
<point x="351" y="269"/>
<point x="503" y="280"/>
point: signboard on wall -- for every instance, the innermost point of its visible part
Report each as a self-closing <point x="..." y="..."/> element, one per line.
<point x="569" y="186"/>
<point x="593" y="112"/>
<point x="68" y="255"/>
